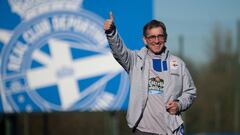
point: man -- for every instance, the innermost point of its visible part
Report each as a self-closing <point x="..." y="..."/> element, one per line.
<point x="161" y="86"/>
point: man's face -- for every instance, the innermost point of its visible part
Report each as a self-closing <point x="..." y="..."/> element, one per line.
<point x="154" y="39"/>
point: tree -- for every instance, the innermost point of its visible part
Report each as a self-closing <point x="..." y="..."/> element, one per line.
<point x="216" y="83"/>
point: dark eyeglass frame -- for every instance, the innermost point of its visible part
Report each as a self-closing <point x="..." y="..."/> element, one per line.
<point x="160" y="37"/>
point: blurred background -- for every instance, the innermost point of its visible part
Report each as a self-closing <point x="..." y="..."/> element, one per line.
<point x="54" y="78"/>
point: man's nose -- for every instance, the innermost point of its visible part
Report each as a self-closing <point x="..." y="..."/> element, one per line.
<point x="156" y="40"/>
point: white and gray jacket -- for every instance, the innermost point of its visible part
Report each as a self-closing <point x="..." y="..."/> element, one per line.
<point x="181" y="88"/>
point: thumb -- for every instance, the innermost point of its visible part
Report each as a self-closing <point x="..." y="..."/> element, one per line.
<point x="111" y="16"/>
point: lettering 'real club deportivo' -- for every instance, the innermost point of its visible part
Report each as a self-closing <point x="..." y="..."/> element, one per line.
<point x="57" y="59"/>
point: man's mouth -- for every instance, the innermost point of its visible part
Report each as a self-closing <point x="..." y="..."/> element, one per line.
<point x="156" y="44"/>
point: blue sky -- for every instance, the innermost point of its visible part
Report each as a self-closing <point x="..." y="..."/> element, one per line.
<point x="195" y="20"/>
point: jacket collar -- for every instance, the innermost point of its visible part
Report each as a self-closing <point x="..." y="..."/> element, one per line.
<point x="144" y="51"/>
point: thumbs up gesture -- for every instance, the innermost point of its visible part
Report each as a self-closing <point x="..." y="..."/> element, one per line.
<point x="109" y="24"/>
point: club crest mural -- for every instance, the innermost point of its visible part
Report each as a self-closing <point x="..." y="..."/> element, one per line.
<point x="58" y="59"/>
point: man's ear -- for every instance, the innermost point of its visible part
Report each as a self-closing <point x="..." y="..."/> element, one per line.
<point x="144" y="40"/>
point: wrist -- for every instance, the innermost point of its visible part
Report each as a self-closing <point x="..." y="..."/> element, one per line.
<point x="111" y="31"/>
<point x="178" y="105"/>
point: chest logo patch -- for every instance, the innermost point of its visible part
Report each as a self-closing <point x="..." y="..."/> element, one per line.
<point x="155" y="85"/>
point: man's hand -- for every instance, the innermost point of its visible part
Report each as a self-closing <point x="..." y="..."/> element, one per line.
<point x="172" y="107"/>
<point x="109" y="24"/>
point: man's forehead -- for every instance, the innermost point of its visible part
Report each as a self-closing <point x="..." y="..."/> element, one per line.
<point x="158" y="30"/>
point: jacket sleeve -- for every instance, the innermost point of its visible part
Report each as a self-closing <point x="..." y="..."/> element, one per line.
<point x="188" y="91"/>
<point x="120" y="52"/>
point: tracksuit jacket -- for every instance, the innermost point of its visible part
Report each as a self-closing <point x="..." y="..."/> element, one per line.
<point x="181" y="88"/>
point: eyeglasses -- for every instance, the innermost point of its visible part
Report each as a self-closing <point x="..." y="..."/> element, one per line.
<point x="152" y="38"/>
